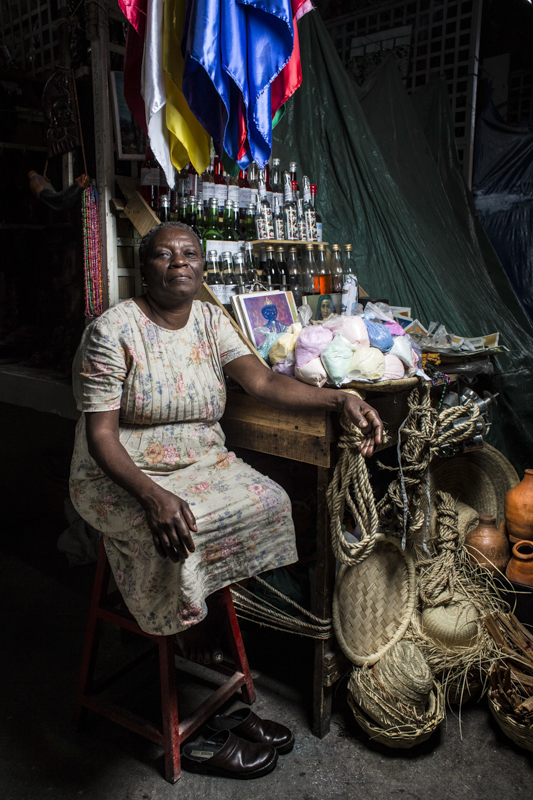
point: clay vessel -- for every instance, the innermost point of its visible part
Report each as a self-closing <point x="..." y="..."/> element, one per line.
<point x="519" y="510"/>
<point x="487" y="545"/>
<point x="520" y="567"/>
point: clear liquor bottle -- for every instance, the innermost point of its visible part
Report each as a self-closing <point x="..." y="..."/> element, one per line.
<point x="226" y="267"/>
<point x="275" y="182"/>
<point x="233" y="189"/>
<point x="250" y="263"/>
<point x="301" y="219"/>
<point x="295" y="275"/>
<point x="309" y="271"/>
<point x="318" y="218"/>
<point x="283" y="269"/>
<point x="277" y="216"/>
<point x="309" y="212"/>
<point x="336" y="268"/>
<point x="266" y="208"/>
<point x="271" y="269"/>
<point x="239" y="271"/>
<point x="213" y="272"/>
<point x="349" y="262"/>
<point x="290" y="219"/>
<point x="252" y="176"/>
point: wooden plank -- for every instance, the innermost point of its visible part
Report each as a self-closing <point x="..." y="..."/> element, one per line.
<point x="127" y="185"/>
<point x="140" y="214"/>
<point x="283" y="443"/>
<point x="245" y="408"/>
<point x="335" y="667"/>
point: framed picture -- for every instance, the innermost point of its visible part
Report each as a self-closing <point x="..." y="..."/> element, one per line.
<point x="275" y="311"/>
<point x="130" y="139"/>
<point x="323" y="306"/>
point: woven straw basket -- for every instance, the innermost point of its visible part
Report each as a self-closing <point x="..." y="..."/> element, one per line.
<point x="404" y="735"/>
<point x="522" y="735"/>
<point x="460" y="690"/>
<point x="373" y="602"/>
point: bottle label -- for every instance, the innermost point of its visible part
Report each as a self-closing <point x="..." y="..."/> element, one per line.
<point x="224" y="292"/>
<point x="302" y="233"/>
<point x="234" y="193"/>
<point x="270" y="198"/>
<point x="245" y="196"/>
<point x="254" y="194"/>
<point x="150" y="177"/>
<point x="184" y="187"/>
<point x="208" y="191"/>
<point x="221" y="194"/>
<point x="310" y="225"/>
<point x="291" y="224"/>
<point x="261" y="227"/>
<point x="319" y="231"/>
<point x="269" y="221"/>
<point x="278" y="228"/>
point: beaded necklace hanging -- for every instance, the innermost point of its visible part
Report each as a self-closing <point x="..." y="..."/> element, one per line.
<point x="92" y="259"/>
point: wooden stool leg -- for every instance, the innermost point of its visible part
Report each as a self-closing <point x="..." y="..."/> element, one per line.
<point x="92" y="636"/>
<point x="237" y="647"/>
<point x="169" y="707"/>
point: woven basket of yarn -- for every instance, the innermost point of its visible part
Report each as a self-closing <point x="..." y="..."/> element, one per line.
<point x="386" y="720"/>
<point x="452" y="626"/>
<point x="520" y="734"/>
<point x="373" y="602"/>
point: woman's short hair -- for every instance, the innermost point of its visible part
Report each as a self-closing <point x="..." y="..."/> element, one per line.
<point x="147" y="240"/>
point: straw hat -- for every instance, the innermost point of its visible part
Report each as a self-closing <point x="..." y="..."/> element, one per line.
<point x="454" y="625"/>
<point x="404" y="673"/>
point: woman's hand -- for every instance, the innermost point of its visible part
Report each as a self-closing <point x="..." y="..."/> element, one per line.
<point x="172" y="523"/>
<point x="367" y="419"/>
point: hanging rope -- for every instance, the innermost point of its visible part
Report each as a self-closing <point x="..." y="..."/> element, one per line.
<point x="437" y="578"/>
<point x="351" y="488"/>
<point x="424" y="434"/>
<point x="249" y="607"/>
<point x="92" y="259"/>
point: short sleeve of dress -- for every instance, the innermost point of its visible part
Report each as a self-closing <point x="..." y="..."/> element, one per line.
<point x="229" y="343"/>
<point x="99" y="368"/>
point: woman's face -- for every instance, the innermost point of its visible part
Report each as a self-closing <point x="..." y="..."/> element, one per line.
<point x="174" y="266"/>
<point x="326" y="309"/>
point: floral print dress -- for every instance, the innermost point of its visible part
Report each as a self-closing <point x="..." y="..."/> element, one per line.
<point x="170" y="389"/>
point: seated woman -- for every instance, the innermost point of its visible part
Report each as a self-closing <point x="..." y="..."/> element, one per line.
<point x="181" y="516"/>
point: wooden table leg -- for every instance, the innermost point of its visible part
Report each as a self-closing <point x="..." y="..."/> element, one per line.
<point x="325" y="578"/>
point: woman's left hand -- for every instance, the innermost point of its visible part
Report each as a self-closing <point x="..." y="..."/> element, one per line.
<point x="367" y="419"/>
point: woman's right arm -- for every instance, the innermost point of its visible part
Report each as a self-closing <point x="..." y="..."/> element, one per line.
<point x="170" y="518"/>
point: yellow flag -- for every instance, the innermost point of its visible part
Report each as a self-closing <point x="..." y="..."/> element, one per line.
<point x="189" y="141"/>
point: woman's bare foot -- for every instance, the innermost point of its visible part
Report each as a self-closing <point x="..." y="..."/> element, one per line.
<point x="201" y="642"/>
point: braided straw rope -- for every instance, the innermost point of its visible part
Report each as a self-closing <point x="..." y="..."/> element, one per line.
<point x="437" y="577"/>
<point x="351" y="487"/>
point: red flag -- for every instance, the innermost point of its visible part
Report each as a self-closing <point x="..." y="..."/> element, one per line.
<point x="290" y="78"/>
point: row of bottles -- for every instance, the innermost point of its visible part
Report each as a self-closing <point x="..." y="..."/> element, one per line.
<point x="264" y="204"/>
<point x="236" y="273"/>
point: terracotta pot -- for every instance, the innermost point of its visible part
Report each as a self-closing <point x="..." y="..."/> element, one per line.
<point x="519" y="510"/>
<point x="520" y="567"/>
<point x="487" y="545"/>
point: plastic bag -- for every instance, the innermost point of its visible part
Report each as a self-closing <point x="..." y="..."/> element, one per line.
<point x="311" y="342"/>
<point x="401" y="348"/>
<point x="304" y="315"/>
<point x="285" y="344"/>
<point x="379" y="335"/>
<point x="394" y="327"/>
<point x="368" y="363"/>
<point x="352" y="328"/>
<point x="313" y="372"/>
<point x="268" y="341"/>
<point x="337" y="357"/>
<point x="380" y="311"/>
<point x="286" y="367"/>
<point x="394" y="368"/>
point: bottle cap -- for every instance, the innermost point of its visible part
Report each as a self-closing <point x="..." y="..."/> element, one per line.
<point x="309" y="246"/>
<point x="275" y="162"/>
<point x="292" y="250"/>
<point x="294" y="186"/>
<point x="226" y="255"/>
<point x="281" y="250"/>
<point x="335" y="247"/>
<point x="313" y="188"/>
<point x="322" y="247"/>
<point x="250" y="209"/>
<point x="164" y="201"/>
<point x="184" y="201"/>
<point x="347" y="247"/>
<point x="238" y="258"/>
<point x="213" y="202"/>
<point x="292" y="166"/>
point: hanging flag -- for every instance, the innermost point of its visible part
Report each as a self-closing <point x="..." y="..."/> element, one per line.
<point x="135" y="13"/>
<point x="188" y="140"/>
<point x="154" y="90"/>
<point x="290" y="78"/>
<point x="234" y="50"/>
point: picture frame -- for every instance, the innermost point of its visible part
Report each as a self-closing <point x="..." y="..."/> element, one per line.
<point x="251" y="310"/>
<point x="130" y="139"/>
<point x="318" y="304"/>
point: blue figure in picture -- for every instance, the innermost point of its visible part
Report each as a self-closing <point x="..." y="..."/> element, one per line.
<point x="270" y="313"/>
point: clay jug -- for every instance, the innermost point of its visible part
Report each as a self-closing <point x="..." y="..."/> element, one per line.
<point x="519" y="510"/>
<point x="520" y="567"/>
<point x="487" y="545"/>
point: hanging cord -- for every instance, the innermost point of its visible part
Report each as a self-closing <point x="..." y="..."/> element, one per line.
<point x="351" y="487"/>
<point x="437" y="577"/>
<point x="424" y="434"/>
<point x="79" y="122"/>
<point x="260" y="611"/>
<point x="92" y="252"/>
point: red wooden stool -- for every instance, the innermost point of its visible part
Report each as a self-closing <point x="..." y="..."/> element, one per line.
<point x="105" y="606"/>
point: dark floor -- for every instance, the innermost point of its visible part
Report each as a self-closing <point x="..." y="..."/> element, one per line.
<point x="43" y="615"/>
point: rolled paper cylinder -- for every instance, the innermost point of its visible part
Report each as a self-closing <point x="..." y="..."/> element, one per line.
<point x="394" y="368"/>
<point x="313" y="373"/>
<point x="311" y="342"/>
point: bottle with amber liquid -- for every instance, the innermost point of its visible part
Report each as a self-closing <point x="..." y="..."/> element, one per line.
<point x="322" y="276"/>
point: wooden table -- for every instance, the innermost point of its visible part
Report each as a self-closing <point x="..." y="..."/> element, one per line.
<point x="309" y="438"/>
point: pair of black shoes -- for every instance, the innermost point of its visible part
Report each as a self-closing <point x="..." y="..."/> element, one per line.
<point x="242" y="746"/>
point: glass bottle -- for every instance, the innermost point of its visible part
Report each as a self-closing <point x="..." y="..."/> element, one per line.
<point x="233" y="189"/>
<point x="164" y="208"/>
<point x="213" y="272"/>
<point x="226" y="267"/>
<point x="182" y="209"/>
<point x="253" y="182"/>
<point x="212" y="231"/>
<point x="249" y="224"/>
<point x="290" y="220"/>
<point x="293" y="172"/>
<point x="250" y="263"/>
<point x="208" y="185"/>
<point x="221" y="190"/>
<point x="195" y="181"/>
<point x="270" y="195"/>
<point x="349" y="263"/>
<point x="275" y="182"/>
<point x="294" y="274"/>
<point x="150" y="179"/>
<point x="239" y="270"/>
<point x="193" y="215"/>
<point x="322" y="277"/>
<point x="309" y="270"/>
<point x="174" y="200"/>
<point x="336" y="268"/>
<point x="318" y="218"/>
<point x="309" y="212"/>
<point x="271" y="269"/>
<point x="245" y="193"/>
<point x="184" y="188"/>
<point x="283" y="269"/>
<point x="300" y="218"/>
<point x="277" y="216"/>
<point x="266" y="210"/>
<point x="228" y="225"/>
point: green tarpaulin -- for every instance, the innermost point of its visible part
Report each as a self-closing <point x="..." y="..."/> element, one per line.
<point x="389" y="183"/>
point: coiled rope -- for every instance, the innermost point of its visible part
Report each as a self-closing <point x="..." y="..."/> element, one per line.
<point x="437" y="576"/>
